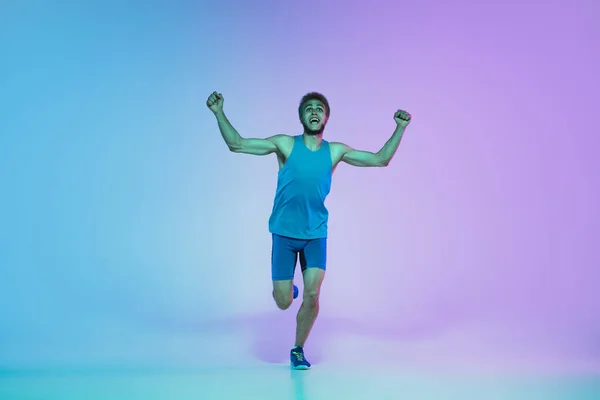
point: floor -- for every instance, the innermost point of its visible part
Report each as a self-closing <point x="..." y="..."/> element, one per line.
<point x="237" y="362"/>
<point x="326" y="381"/>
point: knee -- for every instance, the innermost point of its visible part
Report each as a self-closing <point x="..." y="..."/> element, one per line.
<point x="283" y="300"/>
<point x="311" y="297"/>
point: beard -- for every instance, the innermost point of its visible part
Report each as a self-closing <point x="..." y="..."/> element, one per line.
<point x="311" y="131"/>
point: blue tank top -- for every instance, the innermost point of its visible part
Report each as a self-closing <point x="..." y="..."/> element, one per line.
<point x="302" y="185"/>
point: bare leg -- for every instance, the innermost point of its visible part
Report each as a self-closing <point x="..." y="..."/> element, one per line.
<point x="282" y="294"/>
<point x="313" y="278"/>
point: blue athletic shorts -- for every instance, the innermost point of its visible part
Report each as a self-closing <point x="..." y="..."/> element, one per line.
<point x="286" y="251"/>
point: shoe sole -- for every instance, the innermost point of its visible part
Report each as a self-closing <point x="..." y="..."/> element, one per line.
<point x="300" y="367"/>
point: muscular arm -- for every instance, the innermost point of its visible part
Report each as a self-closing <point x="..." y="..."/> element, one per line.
<point x="382" y="158"/>
<point x="237" y="144"/>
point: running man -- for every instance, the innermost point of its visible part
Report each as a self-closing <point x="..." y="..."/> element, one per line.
<point x="298" y="222"/>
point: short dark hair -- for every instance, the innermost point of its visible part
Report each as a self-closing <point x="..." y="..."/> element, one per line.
<point x="314" y="96"/>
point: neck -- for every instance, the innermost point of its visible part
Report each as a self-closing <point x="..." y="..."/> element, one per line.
<point x="312" y="141"/>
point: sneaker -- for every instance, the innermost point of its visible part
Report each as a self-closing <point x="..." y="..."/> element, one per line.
<point x="295" y="291"/>
<point x="297" y="359"/>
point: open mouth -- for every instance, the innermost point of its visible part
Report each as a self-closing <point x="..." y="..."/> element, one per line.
<point x="314" y="120"/>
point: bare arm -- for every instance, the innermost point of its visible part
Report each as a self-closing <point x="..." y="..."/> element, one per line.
<point x="382" y="158"/>
<point x="235" y="142"/>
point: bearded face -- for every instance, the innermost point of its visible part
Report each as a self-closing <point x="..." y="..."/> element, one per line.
<point x="314" y="117"/>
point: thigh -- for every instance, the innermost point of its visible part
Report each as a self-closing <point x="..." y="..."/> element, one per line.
<point x="282" y="291"/>
<point x="314" y="254"/>
<point x="313" y="278"/>
<point x="283" y="259"/>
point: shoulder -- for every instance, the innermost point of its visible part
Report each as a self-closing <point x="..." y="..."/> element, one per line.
<point x="281" y="139"/>
<point x="284" y="143"/>
<point x="339" y="148"/>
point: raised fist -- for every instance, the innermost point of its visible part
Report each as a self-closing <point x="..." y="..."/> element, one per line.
<point x="402" y="117"/>
<point x="215" y="102"/>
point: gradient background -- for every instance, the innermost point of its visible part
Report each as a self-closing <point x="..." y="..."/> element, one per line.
<point x="129" y="235"/>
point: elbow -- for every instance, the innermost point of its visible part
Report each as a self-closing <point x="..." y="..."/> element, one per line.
<point x="234" y="147"/>
<point x="381" y="160"/>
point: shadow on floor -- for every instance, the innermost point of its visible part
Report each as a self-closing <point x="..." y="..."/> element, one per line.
<point x="273" y="333"/>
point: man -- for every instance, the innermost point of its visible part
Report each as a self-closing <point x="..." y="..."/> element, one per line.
<point x="298" y="222"/>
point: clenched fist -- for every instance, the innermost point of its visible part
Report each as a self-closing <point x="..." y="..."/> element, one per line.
<point x="402" y="118"/>
<point x="215" y="102"/>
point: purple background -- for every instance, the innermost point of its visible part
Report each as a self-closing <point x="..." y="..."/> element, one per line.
<point x="128" y="226"/>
